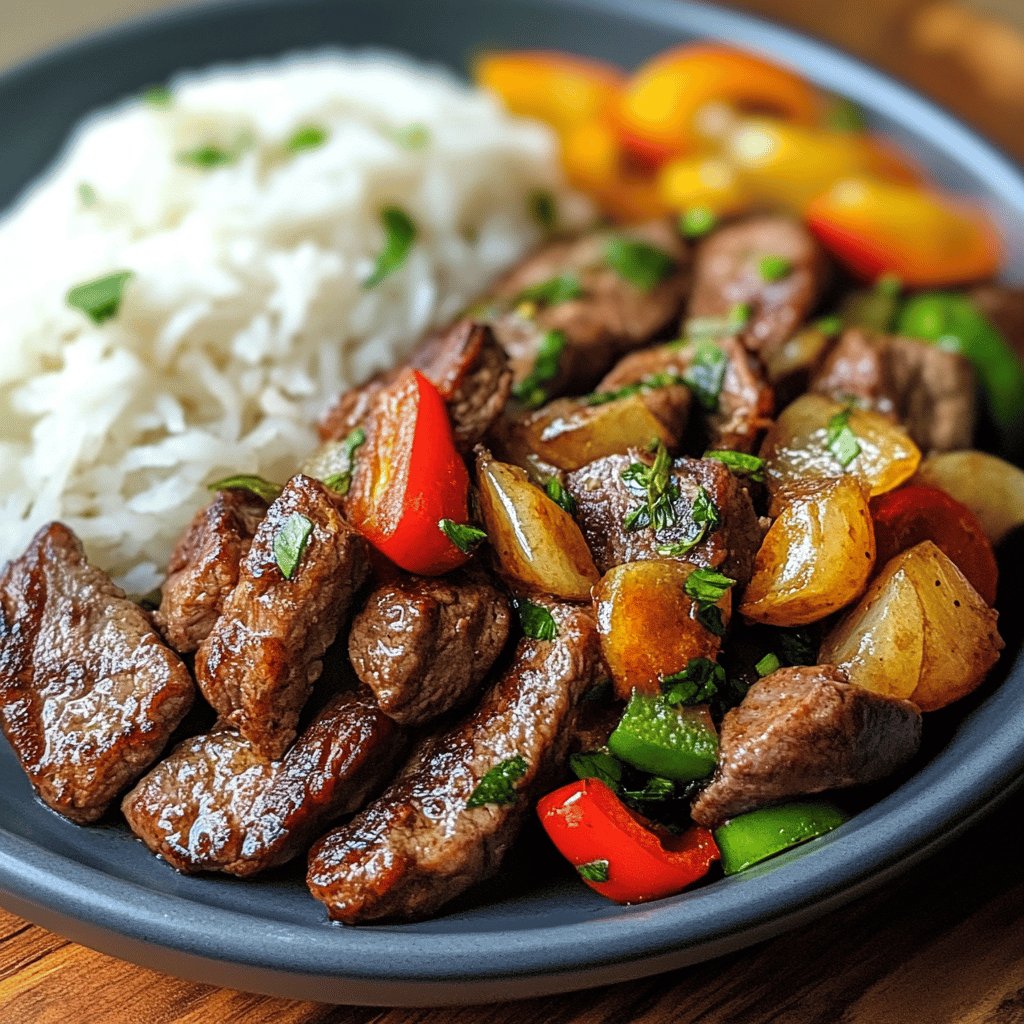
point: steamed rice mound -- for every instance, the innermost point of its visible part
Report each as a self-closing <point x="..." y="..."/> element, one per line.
<point x="246" y="313"/>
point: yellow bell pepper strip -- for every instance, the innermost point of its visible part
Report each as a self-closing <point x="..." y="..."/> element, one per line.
<point x="877" y="227"/>
<point x="558" y="88"/>
<point x="750" y="838"/>
<point x="702" y="183"/>
<point x="662" y="101"/>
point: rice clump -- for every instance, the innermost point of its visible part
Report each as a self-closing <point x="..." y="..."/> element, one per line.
<point x="246" y="203"/>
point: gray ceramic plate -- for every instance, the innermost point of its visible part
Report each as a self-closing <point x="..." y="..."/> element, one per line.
<point x="534" y="930"/>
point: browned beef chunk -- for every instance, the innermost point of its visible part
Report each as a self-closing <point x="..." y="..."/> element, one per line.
<point x="604" y="500"/>
<point x="259" y="663"/>
<point x="1003" y="307"/>
<point x="204" y="567"/>
<point x="89" y="694"/>
<point x="801" y="731"/>
<point x="745" y="402"/>
<point x="929" y="390"/>
<point x="611" y="317"/>
<point x="727" y="273"/>
<point x="469" y="369"/>
<point x="424" y="645"/>
<point x="419" y="845"/>
<point x="215" y="805"/>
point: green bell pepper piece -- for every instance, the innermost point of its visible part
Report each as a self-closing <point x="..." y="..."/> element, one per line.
<point x="678" y="743"/>
<point x="751" y="838"/>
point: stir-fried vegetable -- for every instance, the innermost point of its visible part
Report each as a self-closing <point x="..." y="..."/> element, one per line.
<point x="617" y="852"/>
<point x="921" y="632"/>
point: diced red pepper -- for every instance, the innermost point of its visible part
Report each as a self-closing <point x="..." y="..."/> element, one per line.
<point x="411" y="477"/>
<point x="618" y="853"/>
<point x="916" y="513"/>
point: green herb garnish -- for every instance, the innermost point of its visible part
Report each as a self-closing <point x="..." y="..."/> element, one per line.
<point x="841" y="440"/>
<point x="655" y="790"/>
<point x="641" y="264"/>
<point x="100" y="299"/>
<point x="698" y="683"/>
<point x="290" y="542"/>
<point x="342" y="481"/>
<point x="593" y="871"/>
<point x="774" y="268"/>
<point x="208" y="156"/>
<point x="498" y="786"/>
<point x="465" y="537"/>
<point x="157" y="96"/>
<point x="706" y="587"/>
<point x="768" y="664"/>
<point x="248" y="482"/>
<point x="798" y="646"/>
<point x="538" y="623"/>
<point x="719" y="326"/>
<point x="830" y="325"/>
<point x="652" y="382"/>
<point x="597" y="764"/>
<point x="310" y="136"/>
<point x="86" y="194"/>
<point x="750" y="466"/>
<point x="530" y="391"/>
<point x="543" y="209"/>
<point x="697" y="221"/>
<point x="706" y="374"/>
<point x="889" y="285"/>
<point x="704" y="513"/>
<point x="554" y="290"/>
<point x="560" y="496"/>
<point x="399" y="235"/>
<point x="658" y="488"/>
<point x="412" y="136"/>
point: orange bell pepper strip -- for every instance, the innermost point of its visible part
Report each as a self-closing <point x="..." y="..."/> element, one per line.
<point x="925" y="239"/>
<point x="661" y="102"/>
<point x="410" y="479"/>
<point x="617" y="852"/>
<point x="557" y="88"/>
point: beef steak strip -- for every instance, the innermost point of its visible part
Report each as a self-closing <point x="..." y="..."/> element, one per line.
<point x="89" y="693"/>
<point x="418" y="845"/>
<point x="727" y="273"/>
<point x="604" y="499"/>
<point x="424" y="645"/>
<point x="928" y="389"/>
<point x="745" y="403"/>
<point x="215" y="805"/>
<point x="258" y="665"/>
<point x="804" y="730"/>
<point x="611" y="317"/>
<point x="204" y="567"/>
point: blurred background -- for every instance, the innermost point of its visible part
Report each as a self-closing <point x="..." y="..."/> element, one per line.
<point x="967" y="54"/>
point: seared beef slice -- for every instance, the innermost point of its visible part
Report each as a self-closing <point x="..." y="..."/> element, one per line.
<point x="89" y="694"/>
<point x="215" y="805"/>
<point x="801" y="731"/>
<point x="424" y="645"/>
<point x="419" y="845"/>
<point x="259" y="663"/>
<point x="604" y="500"/>
<point x="204" y="567"/>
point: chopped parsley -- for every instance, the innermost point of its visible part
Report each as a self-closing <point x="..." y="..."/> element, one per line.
<point x="342" y="481"/>
<point x="698" y="683"/>
<point x="593" y="871"/>
<point x="530" y="391"/>
<point x="658" y="488"/>
<point x="290" y="542"/>
<point x="554" y="290"/>
<point x="399" y="235"/>
<point x="719" y="326"/>
<point x="705" y="375"/>
<point x="544" y="209"/>
<point x="412" y="136"/>
<point x="706" y="587"/>
<point x="100" y="299"/>
<point x="651" y="382"/>
<point x="830" y="325"/>
<point x="774" y="268"/>
<point x="639" y="263"/>
<point x="208" y="156"/>
<point x="157" y="96"/>
<point x="86" y="194"/>
<point x="498" y="786"/>
<point x="248" y="482"/>
<point x="697" y="221"/>
<point x="797" y="646"/>
<point x="309" y="136"/>
<point x="465" y="537"/>
<point x="537" y="622"/>
<point x="597" y="764"/>
<point x="768" y="664"/>
<point x="750" y="466"/>
<point x="841" y="440"/>
<point x="560" y="496"/>
<point x="705" y="515"/>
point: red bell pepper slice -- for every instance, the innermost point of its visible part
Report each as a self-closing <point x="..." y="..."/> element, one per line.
<point x="411" y="477"/>
<point x="618" y="853"/>
<point x="915" y="513"/>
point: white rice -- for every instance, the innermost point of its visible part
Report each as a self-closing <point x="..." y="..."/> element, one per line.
<point x="246" y="313"/>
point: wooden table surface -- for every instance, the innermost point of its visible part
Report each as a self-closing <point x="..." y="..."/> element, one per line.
<point x="944" y="944"/>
